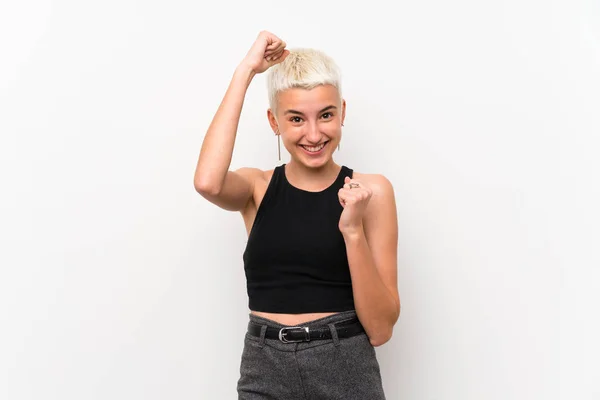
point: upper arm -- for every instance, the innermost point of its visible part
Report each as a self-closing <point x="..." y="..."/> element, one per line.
<point x="381" y="231"/>
<point x="237" y="189"/>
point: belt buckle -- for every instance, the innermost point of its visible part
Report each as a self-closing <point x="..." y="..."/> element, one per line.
<point x="284" y="331"/>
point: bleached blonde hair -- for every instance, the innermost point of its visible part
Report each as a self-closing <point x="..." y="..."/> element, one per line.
<point x="303" y="68"/>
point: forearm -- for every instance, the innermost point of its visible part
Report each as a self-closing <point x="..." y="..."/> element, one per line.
<point x="374" y="304"/>
<point x="217" y="146"/>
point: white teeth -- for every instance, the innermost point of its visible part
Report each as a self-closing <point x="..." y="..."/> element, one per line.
<point x="314" y="149"/>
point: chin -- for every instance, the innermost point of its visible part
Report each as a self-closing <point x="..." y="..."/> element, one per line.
<point x="315" y="164"/>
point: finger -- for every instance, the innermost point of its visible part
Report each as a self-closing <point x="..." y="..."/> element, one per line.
<point x="342" y="200"/>
<point x="275" y="52"/>
<point x="346" y="200"/>
<point x="281" y="57"/>
<point x="348" y="183"/>
<point x="269" y="37"/>
<point x="270" y="54"/>
<point x="277" y="55"/>
<point x="274" y="46"/>
<point x="353" y="196"/>
<point x="278" y="50"/>
<point x="276" y="43"/>
<point x="271" y="51"/>
<point x="347" y="196"/>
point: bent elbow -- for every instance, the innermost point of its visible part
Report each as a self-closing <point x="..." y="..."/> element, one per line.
<point x="206" y="189"/>
<point x="381" y="338"/>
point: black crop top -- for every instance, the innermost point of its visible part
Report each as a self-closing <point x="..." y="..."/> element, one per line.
<point x="295" y="259"/>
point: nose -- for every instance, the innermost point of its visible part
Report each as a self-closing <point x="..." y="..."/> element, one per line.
<point x="313" y="135"/>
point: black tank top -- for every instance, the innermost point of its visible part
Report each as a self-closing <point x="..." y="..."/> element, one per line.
<point x="295" y="259"/>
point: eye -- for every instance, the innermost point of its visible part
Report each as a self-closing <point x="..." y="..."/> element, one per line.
<point x="327" y="113"/>
<point x="293" y="119"/>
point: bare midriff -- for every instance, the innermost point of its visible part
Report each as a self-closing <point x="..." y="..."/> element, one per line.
<point x="291" y="319"/>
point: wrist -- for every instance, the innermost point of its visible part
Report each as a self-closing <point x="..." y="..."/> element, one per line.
<point x="352" y="233"/>
<point x="244" y="71"/>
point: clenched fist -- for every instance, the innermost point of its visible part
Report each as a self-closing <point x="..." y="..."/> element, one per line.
<point x="266" y="51"/>
<point x="354" y="197"/>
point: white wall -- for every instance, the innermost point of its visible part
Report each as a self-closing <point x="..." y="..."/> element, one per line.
<point x="118" y="281"/>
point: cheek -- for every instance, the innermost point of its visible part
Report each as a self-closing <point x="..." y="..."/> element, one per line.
<point x="332" y="130"/>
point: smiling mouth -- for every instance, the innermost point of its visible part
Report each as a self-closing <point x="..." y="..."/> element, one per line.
<point x="314" y="149"/>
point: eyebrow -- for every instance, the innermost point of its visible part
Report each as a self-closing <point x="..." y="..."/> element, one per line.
<point x="300" y="113"/>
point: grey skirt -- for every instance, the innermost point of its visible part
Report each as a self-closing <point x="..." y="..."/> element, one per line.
<point x="337" y="368"/>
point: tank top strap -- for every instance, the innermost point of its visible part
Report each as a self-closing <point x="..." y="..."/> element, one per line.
<point x="346" y="172"/>
<point x="274" y="186"/>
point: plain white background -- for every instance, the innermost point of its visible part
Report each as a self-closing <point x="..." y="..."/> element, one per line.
<point x="118" y="281"/>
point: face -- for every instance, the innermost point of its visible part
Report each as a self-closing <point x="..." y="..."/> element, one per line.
<point x="309" y="122"/>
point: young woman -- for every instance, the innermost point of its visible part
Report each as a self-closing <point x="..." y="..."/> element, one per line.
<point x="320" y="260"/>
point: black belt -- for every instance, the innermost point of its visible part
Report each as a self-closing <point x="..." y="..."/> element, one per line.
<point x="292" y="334"/>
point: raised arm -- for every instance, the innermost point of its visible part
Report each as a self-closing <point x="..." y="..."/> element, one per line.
<point x="231" y="190"/>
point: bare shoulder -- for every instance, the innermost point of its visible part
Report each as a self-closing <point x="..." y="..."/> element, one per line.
<point x="255" y="172"/>
<point x="249" y="173"/>
<point x="259" y="178"/>
<point x="256" y="177"/>
<point x="378" y="183"/>
<point x="382" y="205"/>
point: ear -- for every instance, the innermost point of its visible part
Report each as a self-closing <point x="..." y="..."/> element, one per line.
<point x="272" y="121"/>
<point x="343" y="110"/>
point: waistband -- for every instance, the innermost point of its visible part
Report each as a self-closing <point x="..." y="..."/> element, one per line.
<point x="344" y="324"/>
<point x="334" y="318"/>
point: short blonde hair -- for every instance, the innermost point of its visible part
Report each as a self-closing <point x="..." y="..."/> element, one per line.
<point x="303" y="68"/>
